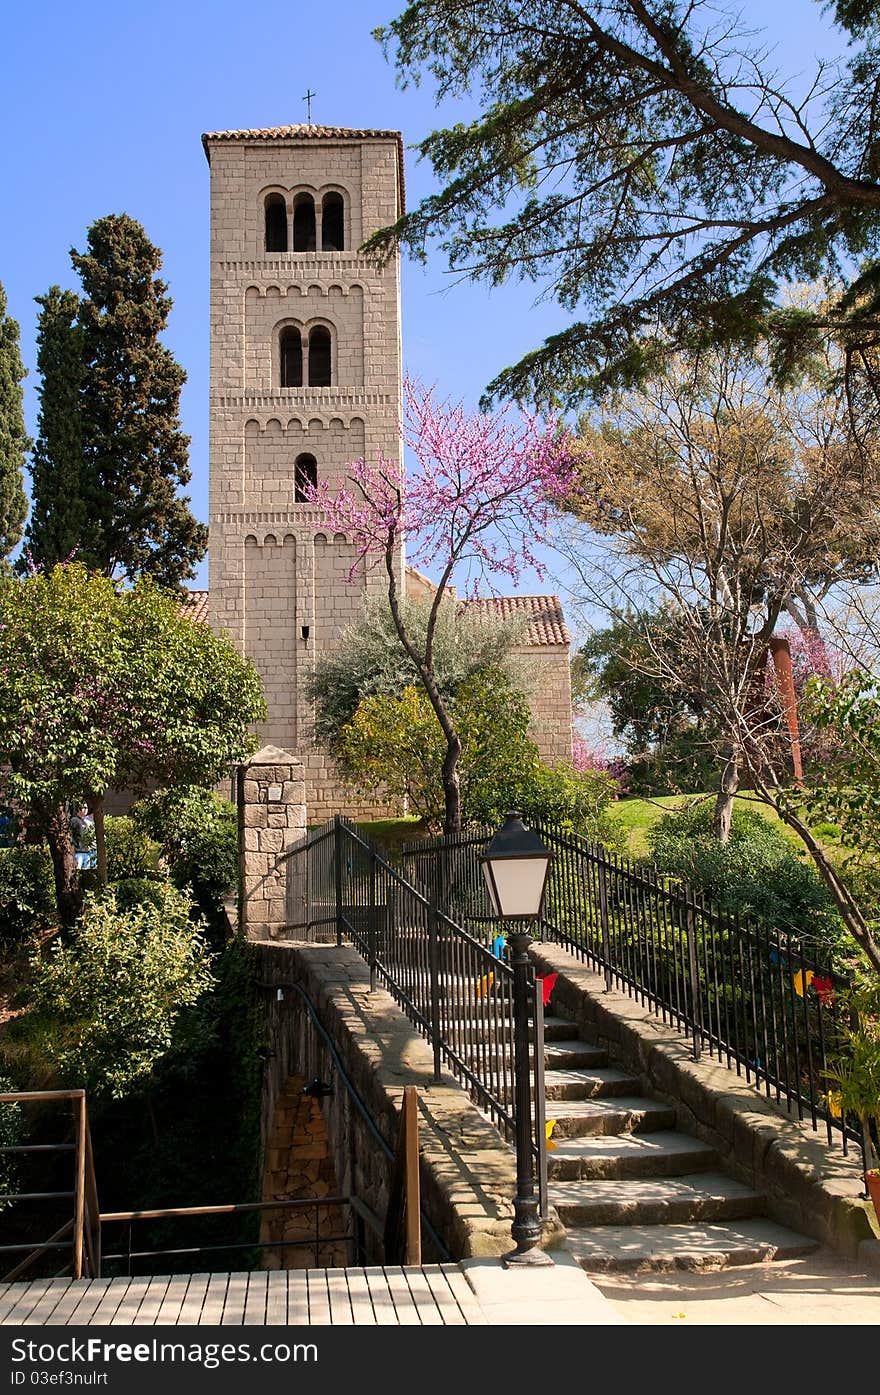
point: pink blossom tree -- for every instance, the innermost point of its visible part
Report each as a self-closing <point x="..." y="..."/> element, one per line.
<point x="474" y="508"/>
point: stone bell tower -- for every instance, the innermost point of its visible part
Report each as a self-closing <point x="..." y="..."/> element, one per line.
<point x="305" y="376"/>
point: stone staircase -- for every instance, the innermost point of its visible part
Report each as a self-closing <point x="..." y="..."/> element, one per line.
<point x="633" y="1191"/>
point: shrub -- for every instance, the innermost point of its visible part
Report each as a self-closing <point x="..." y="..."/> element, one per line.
<point x="138" y="891"/>
<point x="554" y="794"/>
<point x="11" y="1134"/>
<point x="130" y="851"/>
<point x="198" y="834"/>
<point x="104" y="1005"/>
<point x="757" y="873"/>
<point x="27" y="891"/>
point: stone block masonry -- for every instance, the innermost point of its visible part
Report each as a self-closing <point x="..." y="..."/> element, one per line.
<point x="270" y="796"/>
<point x="277" y="584"/>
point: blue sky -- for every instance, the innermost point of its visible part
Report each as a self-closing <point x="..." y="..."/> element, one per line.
<point x="102" y="108"/>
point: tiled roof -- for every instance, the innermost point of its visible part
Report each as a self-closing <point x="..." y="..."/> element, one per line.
<point x="546" y="623"/>
<point x="195" y="606"/>
<point x="308" y="132"/>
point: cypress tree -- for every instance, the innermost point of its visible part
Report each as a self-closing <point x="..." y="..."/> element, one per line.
<point x="135" y="455"/>
<point x="55" y="528"/>
<point x="14" y="440"/>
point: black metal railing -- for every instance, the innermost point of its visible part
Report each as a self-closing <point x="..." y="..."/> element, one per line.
<point x="451" y="984"/>
<point x="763" y="1002"/>
<point x="77" y="1241"/>
<point x="327" y="1226"/>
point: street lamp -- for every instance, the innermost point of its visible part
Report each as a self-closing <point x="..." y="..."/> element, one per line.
<point x="515" y="865"/>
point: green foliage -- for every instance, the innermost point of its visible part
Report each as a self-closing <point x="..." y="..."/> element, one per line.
<point x="847" y="790"/>
<point x="104" y="1006"/>
<point x="684" y="199"/>
<point x="198" y="835"/>
<point x="129" y="892"/>
<point x="108" y="689"/>
<point x="395" y="743"/>
<point x="580" y="801"/>
<point x="58" y="509"/>
<point x="854" y="1074"/>
<point x="27" y="891"/>
<point x="370" y="661"/>
<point x="11" y="1134"/>
<point x="664" y="725"/>
<point x="135" y="455"/>
<point x="14" y="440"/>
<point x="131" y="853"/>
<point x="756" y="874"/>
<point x="200" y="1143"/>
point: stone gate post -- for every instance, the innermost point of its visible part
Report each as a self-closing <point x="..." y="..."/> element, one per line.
<point x="271" y="817"/>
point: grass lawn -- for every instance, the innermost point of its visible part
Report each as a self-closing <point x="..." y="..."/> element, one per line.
<point x="637" y="816"/>
<point x="388" y="834"/>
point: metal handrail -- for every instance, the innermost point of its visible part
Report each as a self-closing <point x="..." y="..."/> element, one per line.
<point x="733" y="987"/>
<point x="84" y="1227"/>
<point x="428" y="961"/>
<point x="317" y="1241"/>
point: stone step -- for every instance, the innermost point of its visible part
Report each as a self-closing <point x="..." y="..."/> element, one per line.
<point x="599" y="1083"/>
<point x="555" y="1028"/>
<point x="568" y="1055"/>
<point x="660" y="1154"/>
<point x="640" y="1248"/>
<point x="699" y="1196"/>
<point x="618" y="1115"/>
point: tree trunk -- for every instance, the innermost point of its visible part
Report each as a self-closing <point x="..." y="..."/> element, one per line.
<point x="451" y="784"/>
<point x="724" y="799"/>
<point x="96" y="809"/>
<point x="68" y="895"/>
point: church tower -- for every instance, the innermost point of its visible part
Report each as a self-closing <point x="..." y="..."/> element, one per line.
<point x="305" y="376"/>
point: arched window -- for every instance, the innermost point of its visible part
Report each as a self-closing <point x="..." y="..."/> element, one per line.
<point x="305" y="474"/>
<point x="332" y="224"/>
<point x="319" y="357"/>
<point x="291" y="358"/>
<point x="276" y="224"/>
<point x="304" y="223"/>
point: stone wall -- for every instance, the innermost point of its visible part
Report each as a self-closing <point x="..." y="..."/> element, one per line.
<point x="299" y="1165"/>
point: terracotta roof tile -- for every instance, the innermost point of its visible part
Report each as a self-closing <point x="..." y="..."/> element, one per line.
<point x="309" y="132"/>
<point x="546" y="623"/>
<point x="195" y="606"/>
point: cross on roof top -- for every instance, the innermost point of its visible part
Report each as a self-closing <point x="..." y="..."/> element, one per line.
<point x="308" y="101"/>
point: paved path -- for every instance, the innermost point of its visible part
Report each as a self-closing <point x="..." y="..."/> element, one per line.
<point x="816" y="1289"/>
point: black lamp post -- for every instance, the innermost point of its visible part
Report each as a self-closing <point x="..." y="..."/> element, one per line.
<point x="515" y="865"/>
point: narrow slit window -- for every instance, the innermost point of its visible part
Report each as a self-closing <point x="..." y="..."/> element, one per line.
<point x="291" y="358"/>
<point x="332" y="224"/>
<point x="304" y="223"/>
<point x="319" y="357"/>
<point x="305" y="476"/>
<point x="276" y="224"/>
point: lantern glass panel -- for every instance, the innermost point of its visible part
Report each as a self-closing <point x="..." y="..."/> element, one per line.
<point x="519" y="882"/>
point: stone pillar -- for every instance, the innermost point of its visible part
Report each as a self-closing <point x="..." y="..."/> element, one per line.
<point x="271" y="817"/>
